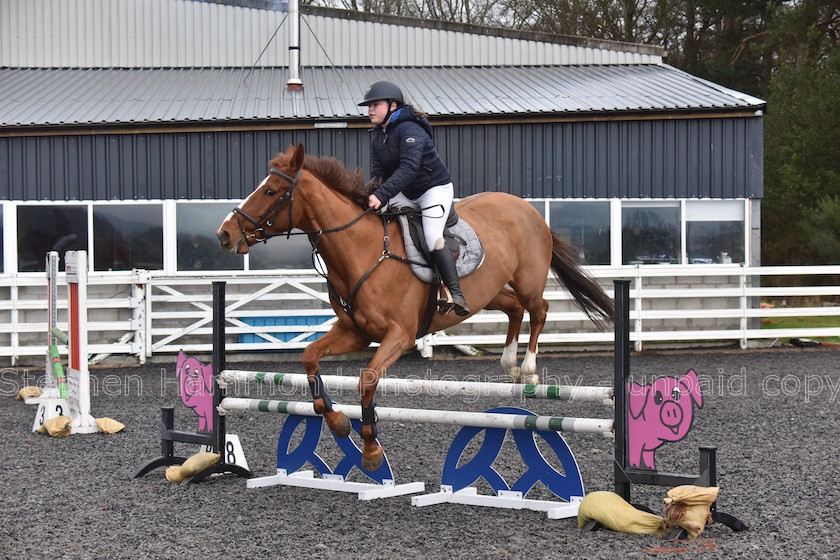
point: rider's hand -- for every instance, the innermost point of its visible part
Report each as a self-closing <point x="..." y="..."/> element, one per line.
<point x="374" y="202"/>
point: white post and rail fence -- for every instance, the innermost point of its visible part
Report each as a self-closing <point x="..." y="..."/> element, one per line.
<point x="137" y="316"/>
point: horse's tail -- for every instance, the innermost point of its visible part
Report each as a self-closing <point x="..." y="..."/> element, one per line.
<point x="588" y="294"/>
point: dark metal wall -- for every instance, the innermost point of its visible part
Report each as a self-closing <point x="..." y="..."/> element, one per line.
<point x="673" y="158"/>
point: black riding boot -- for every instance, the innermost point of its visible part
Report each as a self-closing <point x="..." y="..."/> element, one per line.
<point x="445" y="264"/>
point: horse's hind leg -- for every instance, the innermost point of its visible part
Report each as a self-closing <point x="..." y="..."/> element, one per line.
<point x="338" y="340"/>
<point x="537" y="307"/>
<point x="538" y="313"/>
<point x="507" y="302"/>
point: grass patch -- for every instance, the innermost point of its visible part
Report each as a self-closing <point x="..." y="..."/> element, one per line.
<point x="803" y="323"/>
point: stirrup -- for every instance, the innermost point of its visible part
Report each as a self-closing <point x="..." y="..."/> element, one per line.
<point x="444" y="302"/>
<point x="447" y="304"/>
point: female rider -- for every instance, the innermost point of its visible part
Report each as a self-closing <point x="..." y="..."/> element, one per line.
<point x="403" y="156"/>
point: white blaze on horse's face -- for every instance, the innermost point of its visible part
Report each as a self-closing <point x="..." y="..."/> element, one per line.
<point x="241" y="204"/>
<point x="235" y="247"/>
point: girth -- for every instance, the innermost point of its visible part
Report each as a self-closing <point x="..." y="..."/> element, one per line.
<point x="347" y="304"/>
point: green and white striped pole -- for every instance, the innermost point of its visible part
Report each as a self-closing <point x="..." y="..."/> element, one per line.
<point x="58" y="371"/>
<point x="445" y="417"/>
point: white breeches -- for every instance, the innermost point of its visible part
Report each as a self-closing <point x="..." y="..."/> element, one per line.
<point x="435" y="204"/>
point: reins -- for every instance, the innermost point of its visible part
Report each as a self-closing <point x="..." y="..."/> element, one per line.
<point x="260" y="234"/>
<point x="347" y="305"/>
<point x="277" y="207"/>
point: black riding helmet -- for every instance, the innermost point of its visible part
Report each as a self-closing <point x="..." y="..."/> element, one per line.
<point x="383" y="91"/>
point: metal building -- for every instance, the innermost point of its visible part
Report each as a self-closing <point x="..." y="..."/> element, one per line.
<point x="165" y="112"/>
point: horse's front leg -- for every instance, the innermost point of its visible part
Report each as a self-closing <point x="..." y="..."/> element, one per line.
<point x="396" y="342"/>
<point x="340" y="339"/>
<point x="507" y="302"/>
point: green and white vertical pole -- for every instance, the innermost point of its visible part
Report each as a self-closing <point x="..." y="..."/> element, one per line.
<point x="51" y="389"/>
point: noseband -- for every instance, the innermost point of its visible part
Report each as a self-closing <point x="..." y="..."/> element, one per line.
<point x="260" y="234"/>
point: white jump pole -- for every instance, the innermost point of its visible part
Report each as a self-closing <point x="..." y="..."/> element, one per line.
<point x="418" y="416"/>
<point x="395" y="386"/>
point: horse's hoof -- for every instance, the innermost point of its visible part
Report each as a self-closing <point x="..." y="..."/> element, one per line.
<point x="372" y="460"/>
<point x="514" y="374"/>
<point x="320" y="406"/>
<point x="338" y="423"/>
<point x="532" y="379"/>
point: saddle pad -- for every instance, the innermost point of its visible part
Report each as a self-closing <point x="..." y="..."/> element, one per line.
<point x="470" y="258"/>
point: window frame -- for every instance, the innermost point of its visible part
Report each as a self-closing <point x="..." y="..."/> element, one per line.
<point x="8" y="210"/>
<point x="745" y="220"/>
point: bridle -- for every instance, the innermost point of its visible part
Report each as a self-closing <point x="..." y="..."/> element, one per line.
<point x="259" y="233"/>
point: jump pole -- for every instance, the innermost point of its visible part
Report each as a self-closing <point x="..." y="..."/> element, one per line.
<point x="50" y="389"/>
<point x="421" y="416"/>
<point x="434" y="387"/>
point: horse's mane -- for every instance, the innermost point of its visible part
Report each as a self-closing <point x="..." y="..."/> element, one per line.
<point x="332" y="173"/>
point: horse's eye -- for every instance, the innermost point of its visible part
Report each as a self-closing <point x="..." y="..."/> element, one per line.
<point x="270" y="192"/>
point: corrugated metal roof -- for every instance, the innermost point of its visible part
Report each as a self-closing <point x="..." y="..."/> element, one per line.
<point x="184" y="34"/>
<point x="42" y="97"/>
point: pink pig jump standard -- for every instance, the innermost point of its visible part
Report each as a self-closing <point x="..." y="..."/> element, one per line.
<point x="650" y="415"/>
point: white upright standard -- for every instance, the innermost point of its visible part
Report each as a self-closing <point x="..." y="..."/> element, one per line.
<point x="77" y="404"/>
<point x="78" y="375"/>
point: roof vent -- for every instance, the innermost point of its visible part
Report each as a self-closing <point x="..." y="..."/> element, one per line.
<point x="294" y="82"/>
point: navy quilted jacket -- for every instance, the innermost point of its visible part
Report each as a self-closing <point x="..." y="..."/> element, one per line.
<point x="405" y="158"/>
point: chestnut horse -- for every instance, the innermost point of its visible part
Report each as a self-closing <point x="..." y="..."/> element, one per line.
<point x="377" y="298"/>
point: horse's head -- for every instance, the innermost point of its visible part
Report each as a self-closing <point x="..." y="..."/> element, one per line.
<point x="268" y="210"/>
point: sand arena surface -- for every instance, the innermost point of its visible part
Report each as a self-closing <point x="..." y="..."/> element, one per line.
<point x="772" y="414"/>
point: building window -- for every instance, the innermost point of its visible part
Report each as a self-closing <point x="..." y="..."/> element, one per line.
<point x="279" y="252"/>
<point x="539" y="206"/>
<point x="585" y="226"/>
<point x="714" y="231"/>
<point x="198" y="248"/>
<point x="650" y="232"/>
<point x="41" y="229"/>
<point x="128" y="236"/>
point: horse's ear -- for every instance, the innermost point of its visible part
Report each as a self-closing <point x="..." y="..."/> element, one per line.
<point x="297" y="159"/>
<point x="290" y="151"/>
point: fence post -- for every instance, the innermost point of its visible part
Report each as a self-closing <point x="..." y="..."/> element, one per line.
<point x="638" y="305"/>
<point x="139" y="315"/>
<point x="218" y="365"/>
<point x="621" y="322"/>
<point x="743" y="304"/>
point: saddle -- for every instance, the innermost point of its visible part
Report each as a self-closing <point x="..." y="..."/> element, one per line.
<point x="459" y="236"/>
